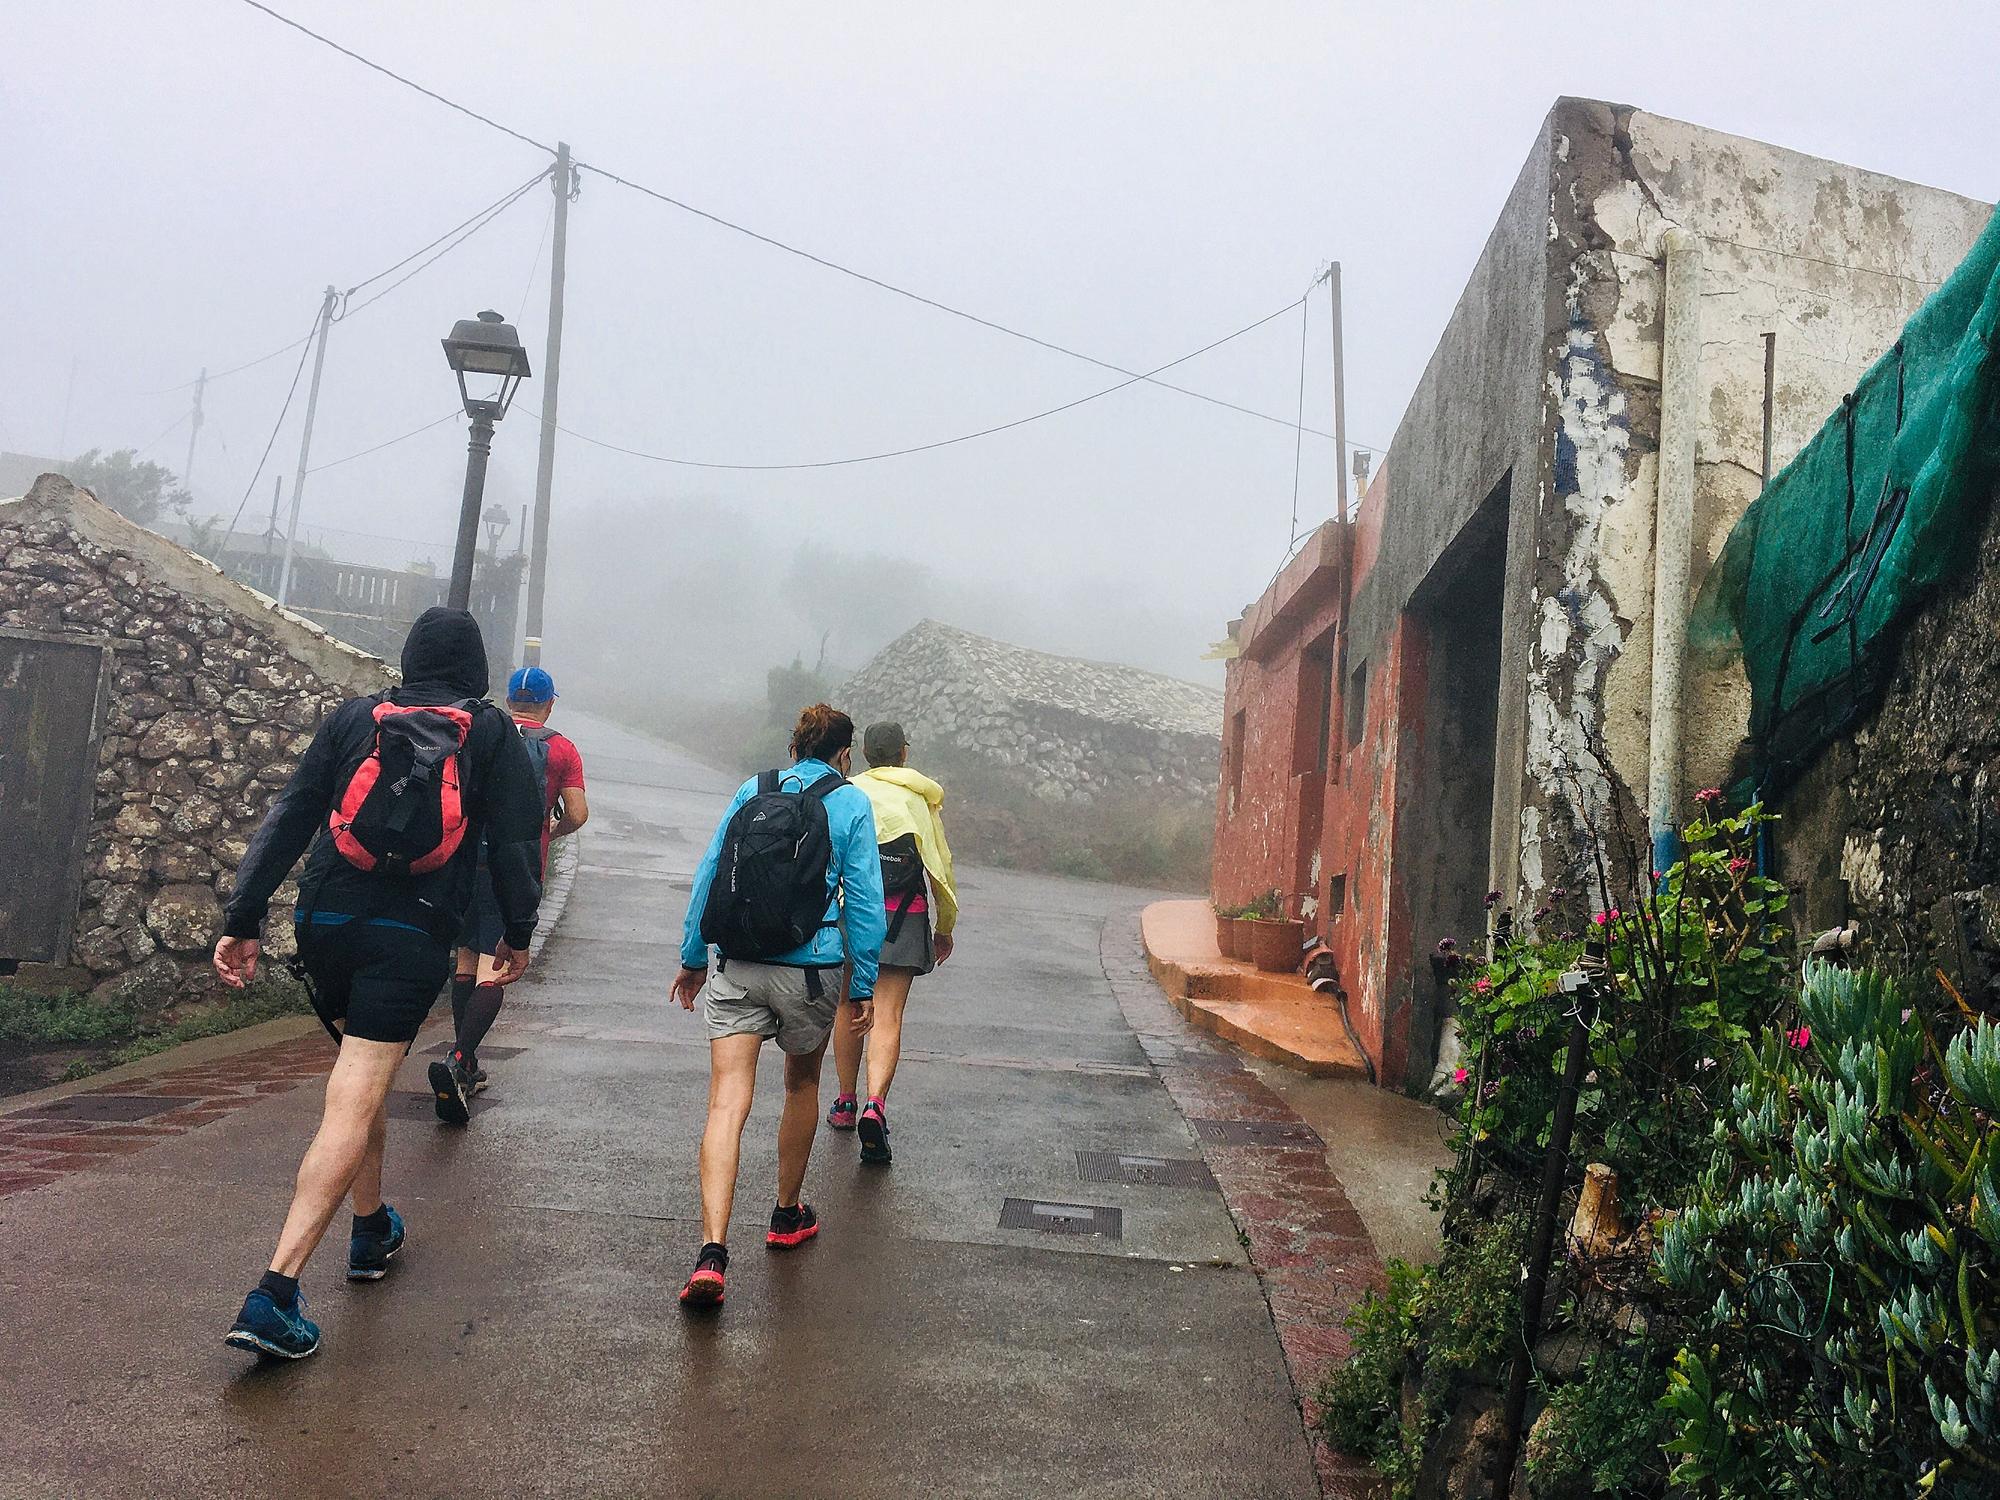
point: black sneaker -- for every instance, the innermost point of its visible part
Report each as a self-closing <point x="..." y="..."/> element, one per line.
<point x="792" y="1227"/>
<point x="454" y="1089"/>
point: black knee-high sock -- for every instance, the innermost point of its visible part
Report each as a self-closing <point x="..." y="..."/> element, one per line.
<point x="461" y="992"/>
<point x="480" y="1011"/>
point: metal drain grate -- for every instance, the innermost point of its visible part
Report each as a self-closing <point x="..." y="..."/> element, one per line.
<point x="485" y="1051"/>
<point x="1142" y="1170"/>
<point x="1256" y="1133"/>
<point x="103" y="1109"/>
<point x="1062" y="1218"/>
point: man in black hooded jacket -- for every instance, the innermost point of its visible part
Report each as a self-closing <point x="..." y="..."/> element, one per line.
<point x="377" y="948"/>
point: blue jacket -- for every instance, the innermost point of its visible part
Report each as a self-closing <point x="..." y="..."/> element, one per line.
<point x="854" y="875"/>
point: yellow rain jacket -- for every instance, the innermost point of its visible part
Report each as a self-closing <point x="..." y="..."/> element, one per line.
<point x="908" y="801"/>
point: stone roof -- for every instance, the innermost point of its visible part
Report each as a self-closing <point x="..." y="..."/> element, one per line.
<point x="995" y="669"/>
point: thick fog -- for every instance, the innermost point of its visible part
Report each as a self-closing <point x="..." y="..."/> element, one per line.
<point x="1133" y="181"/>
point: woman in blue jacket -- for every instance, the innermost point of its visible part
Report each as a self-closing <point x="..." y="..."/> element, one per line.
<point x="791" y="999"/>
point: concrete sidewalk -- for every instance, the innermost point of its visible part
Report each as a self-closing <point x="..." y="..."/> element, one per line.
<point x="528" y="1342"/>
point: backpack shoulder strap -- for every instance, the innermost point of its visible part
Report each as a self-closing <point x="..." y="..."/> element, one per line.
<point x="827" y="785"/>
<point x="537" y="732"/>
<point x="767" y="783"/>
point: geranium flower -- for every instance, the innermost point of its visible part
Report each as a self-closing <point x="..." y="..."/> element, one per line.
<point x="1460" y="1075"/>
<point x="1738" y="865"/>
<point x="1708" y="796"/>
<point x="1800" y="1038"/>
<point x="1492" y="899"/>
<point x="1447" y="945"/>
<point x="1482" y="986"/>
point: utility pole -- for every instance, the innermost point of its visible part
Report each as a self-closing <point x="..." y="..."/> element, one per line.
<point x="194" y="431"/>
<point x="1339" y="395"/>
<point x="271" y="527"/>
<point x="305" y="446"/>
<point x="564" y="180"/>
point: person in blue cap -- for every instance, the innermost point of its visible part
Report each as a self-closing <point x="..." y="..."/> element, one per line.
<point x="476" y="992"/>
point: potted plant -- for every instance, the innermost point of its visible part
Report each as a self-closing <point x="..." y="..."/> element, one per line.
<point x="1228" y="921"/>
<point x="1276" y="941"/>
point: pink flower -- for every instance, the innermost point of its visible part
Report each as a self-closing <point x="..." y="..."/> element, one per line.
<point x="1708" y="796"/>
<point x="1738" y="865"/>
<point x="1460" y="1076"/>
<point x="1482" y="986"/>
<point x="1601" y="918"/>
<point x="1801" y="1038"/>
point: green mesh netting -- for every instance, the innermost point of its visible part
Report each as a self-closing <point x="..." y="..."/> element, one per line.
<point x="1882" y="505"/>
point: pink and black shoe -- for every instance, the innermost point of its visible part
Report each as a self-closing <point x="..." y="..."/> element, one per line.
<point x="841" y="1116"/>
<point x="704" y="1287"/>
<point x="873" y="1124"/>
<point x="792" y="1227"/>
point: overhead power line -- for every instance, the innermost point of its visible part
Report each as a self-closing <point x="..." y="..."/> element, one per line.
<point x="450" y="240"/>
<point x="966" y="437"/>
<point x="290" y="392"/>
<point x="790" y="249"/>
<point x="335" y="463"/>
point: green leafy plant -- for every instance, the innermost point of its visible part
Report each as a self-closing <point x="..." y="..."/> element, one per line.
<point x="1840" y="1261"/>
<point x="1268" y="907"/>
<point x="1601" y="1433"/>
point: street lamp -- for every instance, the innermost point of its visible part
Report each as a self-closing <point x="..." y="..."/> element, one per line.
<point x="497" y="519"/>
<point x="487" y="349"/>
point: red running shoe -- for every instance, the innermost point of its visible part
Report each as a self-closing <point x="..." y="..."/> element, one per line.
<point x="704" y="1288"/>
<point x="841" y="1116"/>
<point x="792" y="1227"/>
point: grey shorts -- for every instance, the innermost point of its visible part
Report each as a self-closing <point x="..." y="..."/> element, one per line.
<point x="770" y="1000"/>
<point x="911" y="948"/>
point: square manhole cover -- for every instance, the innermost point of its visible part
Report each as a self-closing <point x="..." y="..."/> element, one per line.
<point x="1062" y="1218"/>
<point x="1142" y="1170"/>
<point x="485" y="1052"/>
<point x="103" y="1109"/>
<point x="1256" y="1133"/>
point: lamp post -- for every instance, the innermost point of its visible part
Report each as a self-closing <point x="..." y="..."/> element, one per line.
<point x="487" y="349"/>
<point x="496" y="519"/>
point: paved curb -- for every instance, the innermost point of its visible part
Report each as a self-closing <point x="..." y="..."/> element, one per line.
<point x="564" y="859"/>
<point x="1310" y="1250"/>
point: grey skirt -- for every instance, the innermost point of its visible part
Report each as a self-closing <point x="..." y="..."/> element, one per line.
<point x="911" y="948"/>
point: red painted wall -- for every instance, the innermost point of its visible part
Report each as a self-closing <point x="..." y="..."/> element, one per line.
<point x="1272" y="791"/>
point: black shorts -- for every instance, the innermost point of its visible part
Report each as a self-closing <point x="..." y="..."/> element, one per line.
<point x="380" y="981"/>
<point x="483" y="927"/>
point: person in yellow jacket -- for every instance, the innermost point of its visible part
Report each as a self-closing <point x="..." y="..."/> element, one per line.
<point x="916" y="886"/>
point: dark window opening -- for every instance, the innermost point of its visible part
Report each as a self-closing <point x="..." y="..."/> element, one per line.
<point x="1357" y="705"/>
<point x="1312" y="740"/>
<point x="1336" y="895"/>
<point x="1234" y="755"/>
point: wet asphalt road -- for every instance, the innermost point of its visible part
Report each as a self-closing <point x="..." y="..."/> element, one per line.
<point x="528" y="1343"/>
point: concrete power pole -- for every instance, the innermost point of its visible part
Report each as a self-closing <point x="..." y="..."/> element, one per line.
<point x="1339" y="398"/>
<point x="305" y="446"/>
<point x="563" y="178"/>
<point x="187" y="469"/>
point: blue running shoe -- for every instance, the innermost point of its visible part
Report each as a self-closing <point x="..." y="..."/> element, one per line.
<point x="265" y="1328"/>
<point x="369" y="1254"/>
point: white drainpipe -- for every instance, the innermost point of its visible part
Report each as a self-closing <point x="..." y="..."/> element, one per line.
<point x="1673" y="535"/>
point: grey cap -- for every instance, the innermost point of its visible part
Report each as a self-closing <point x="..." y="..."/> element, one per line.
<point x="883" y="744"/>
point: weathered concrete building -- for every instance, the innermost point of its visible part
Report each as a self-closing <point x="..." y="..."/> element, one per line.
<point x="1073" y="729"/>
<point x="149" y="706"/>
<point x="1431" y="698"/>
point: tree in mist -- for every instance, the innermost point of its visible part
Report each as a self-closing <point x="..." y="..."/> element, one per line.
<point x="137" y="489"/>
<point x="856" y="602"/>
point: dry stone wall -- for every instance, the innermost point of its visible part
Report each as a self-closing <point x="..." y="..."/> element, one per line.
<point x="1073" y="730"/>
<point x="1899" y="826"/>
<point x="213" y="697"/>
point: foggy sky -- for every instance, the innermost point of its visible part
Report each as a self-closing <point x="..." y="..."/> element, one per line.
<point x="181" y="180"/>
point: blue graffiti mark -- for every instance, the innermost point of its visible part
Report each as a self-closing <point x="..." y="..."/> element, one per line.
<point x="1565" y="475"/>
<point x="1572" y="602"/>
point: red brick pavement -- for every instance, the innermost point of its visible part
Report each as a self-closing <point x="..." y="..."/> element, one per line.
<point x="1309" y="1247"/>
<point x="36" y="1149"/>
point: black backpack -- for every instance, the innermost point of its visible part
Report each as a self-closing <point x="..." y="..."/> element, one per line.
<point x="769" y="895"/>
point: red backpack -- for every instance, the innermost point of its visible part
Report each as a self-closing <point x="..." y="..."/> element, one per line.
<point x="403" y="810"/>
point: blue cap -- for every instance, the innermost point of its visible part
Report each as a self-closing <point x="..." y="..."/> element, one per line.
<point x="530" y="685"/>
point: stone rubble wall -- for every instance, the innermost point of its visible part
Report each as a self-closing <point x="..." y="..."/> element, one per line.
<point x="214" y="696"/>
<point x="1074" y="730"/>
<point x="1898" y="826"/>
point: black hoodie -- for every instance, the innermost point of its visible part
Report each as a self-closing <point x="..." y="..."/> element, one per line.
<point x="444" y="661"/>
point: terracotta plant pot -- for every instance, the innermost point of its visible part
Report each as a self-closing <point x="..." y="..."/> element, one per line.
<point x="1277" y="947"/>
<point x="1225" y="936"/>
<point x="1239" y="938"/>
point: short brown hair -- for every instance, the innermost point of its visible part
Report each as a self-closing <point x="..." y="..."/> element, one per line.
<point x="823" y="731"/>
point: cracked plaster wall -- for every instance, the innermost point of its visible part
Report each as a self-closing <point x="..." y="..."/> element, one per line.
<point x="1783" y="238"/>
